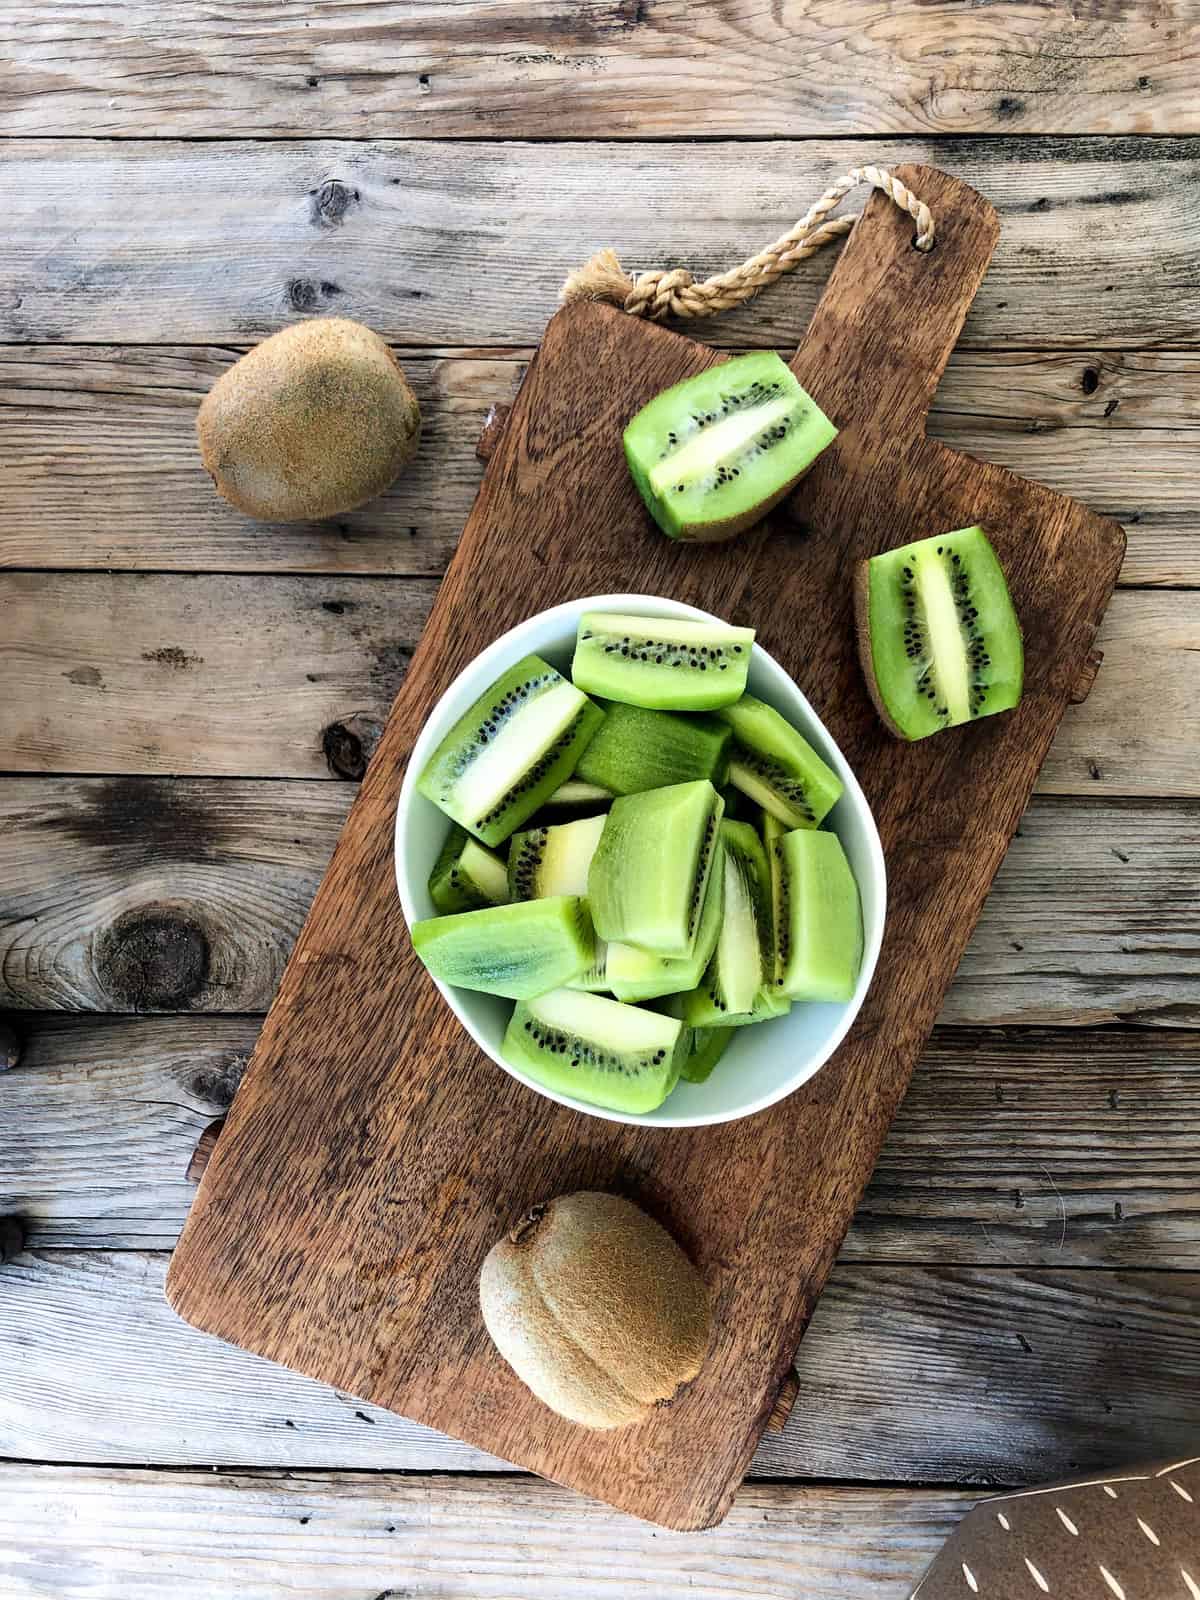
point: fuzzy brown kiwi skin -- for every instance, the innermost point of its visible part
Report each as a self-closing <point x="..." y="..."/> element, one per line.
<point x="721" y="532"/>
<point x="632" y="1317"/>
<point x="862" y="620"/>
<point x="312" y="422"/>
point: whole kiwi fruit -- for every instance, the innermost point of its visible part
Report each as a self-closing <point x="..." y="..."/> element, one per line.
<point x="596" y="1308"/>
<point x="315" y="420"/>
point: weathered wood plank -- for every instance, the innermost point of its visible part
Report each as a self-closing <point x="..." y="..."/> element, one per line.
<point x="1025" y="1148"/>
<point x="444" y="243"/>
<point x="102" y="469"/>
<point x="237" y="676"/>
<point x="243" y="675"/>
<point x="907" y="1373"/>
<point x="71" y="1532"/>
<point x="600" y="68"/>
<point x="146" y="895"/>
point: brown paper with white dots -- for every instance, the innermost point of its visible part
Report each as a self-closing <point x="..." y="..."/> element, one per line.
<point x="1129" y="1534"/>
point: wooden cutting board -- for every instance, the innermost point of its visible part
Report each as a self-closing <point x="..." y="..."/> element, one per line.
<point x="373" y="1154"/>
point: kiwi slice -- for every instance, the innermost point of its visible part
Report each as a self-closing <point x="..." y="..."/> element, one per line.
<point x="711" y="456"/>
<point x="576" y="793"/>
<point x="554" y="860"/>
<point x="467" y="875"/>
<point x="516" y="950"/>
<point x="743" y="962"/>
<point x="776" y="767"/>
<point x="817" y="917"/>
<point x="595" y="979"/>
<point x="596" y="1050"/>
<point x="661" y="663"/>
<point x="650" y="871"/>
<point x="636" y="749"/>
<point x="939" y="640"/>
<point x="511" y="750"/>
<point x="708" y="1046"/>
<point x="634" y="974"/>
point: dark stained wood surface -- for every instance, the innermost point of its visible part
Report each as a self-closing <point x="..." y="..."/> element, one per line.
<point x="341" y="1221"/>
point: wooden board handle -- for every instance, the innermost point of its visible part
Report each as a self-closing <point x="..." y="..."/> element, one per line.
<point x="894" y="311"/>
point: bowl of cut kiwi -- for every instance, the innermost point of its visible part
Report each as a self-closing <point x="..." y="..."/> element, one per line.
<point x="637" y="865"/>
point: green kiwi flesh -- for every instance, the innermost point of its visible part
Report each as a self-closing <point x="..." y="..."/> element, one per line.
<point x="576" y="793"/>
<point x="776" y="767"/>
<point x="467" y="875"/>
<point x="661" y="663"/>
<point x="553" y="860"/>
<point x="743" y="962"/>
<point x="708" y="1045"/>
<point x="517" y="950"/>
<point x="636" y="749"/>
<point x="520" y="740"/>
<point x="817" y="918"/>
<point x="938" y="638"/>
<point x="713" y="454"/>
<point x="649" y="874"/>
<point x="634" y="974"/>
<point x="595" y="1049"/>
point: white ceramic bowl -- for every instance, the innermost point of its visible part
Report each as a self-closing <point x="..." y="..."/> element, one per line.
<point x="764" y="1062"/>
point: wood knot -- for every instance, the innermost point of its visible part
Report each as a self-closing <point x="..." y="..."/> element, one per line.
<point x="10" y="1047"/>
<point x="152" y="959"/>
<point x="349" y="745"/>
<point x="12" y="1239"/>
<point x="329" y="204"/>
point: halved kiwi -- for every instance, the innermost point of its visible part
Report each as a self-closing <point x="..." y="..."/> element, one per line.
<point x="596" y="1050"/>
<point x="938" y="638"/>
<point x="511" y="750"/>
<point x="650" y="871"/>
<point x="553" y="860"/>
<point x="712" y="455"/>
<point x="467" y="875"/>
<point x="661" y="663"/>
<point x="636" y="749"/>
<point x="777" y="767"/>
<point x="516" y="950"/>
<point x="817" y="917"/>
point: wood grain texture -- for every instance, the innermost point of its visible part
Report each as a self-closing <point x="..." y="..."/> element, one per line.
<point x="1027" y="1148"/>
<point x="241" y="674"/>
<point x="145" y="894"/>
<point x="320" y="1536"/>
<point x="220" y="675"/>
<point x="557" y="477"/>
<point x="102" y="470"/>
<point x="468" y="243"/>
<point x="602" y="67"/>
<point x="908" y="1374"/>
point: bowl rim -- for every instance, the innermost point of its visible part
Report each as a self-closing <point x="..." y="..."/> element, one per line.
<point x="501" y="653"/>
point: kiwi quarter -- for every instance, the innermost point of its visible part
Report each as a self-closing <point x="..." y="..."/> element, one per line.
<point x="636" y="749"/>
<point x="648" y="877"/>
<point x="315" y="420"/>
<point x="661" y="663"/>
<point x="595" y="1049"/>
<point x="467" y="875"/>
<point x="511" y="750"/>
<point x="938" y="637"/>
<point x="514" y="950"/>
<point x="775" y="766"/>
<point x="712" y="455"/>
<point x="553" y="860"/>
<point x="817" y="917"/>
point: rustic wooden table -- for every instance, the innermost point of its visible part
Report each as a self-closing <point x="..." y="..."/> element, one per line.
<point x="186" y="699"/>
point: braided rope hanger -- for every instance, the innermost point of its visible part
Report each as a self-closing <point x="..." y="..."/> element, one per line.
<point x="663" y="293"/>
